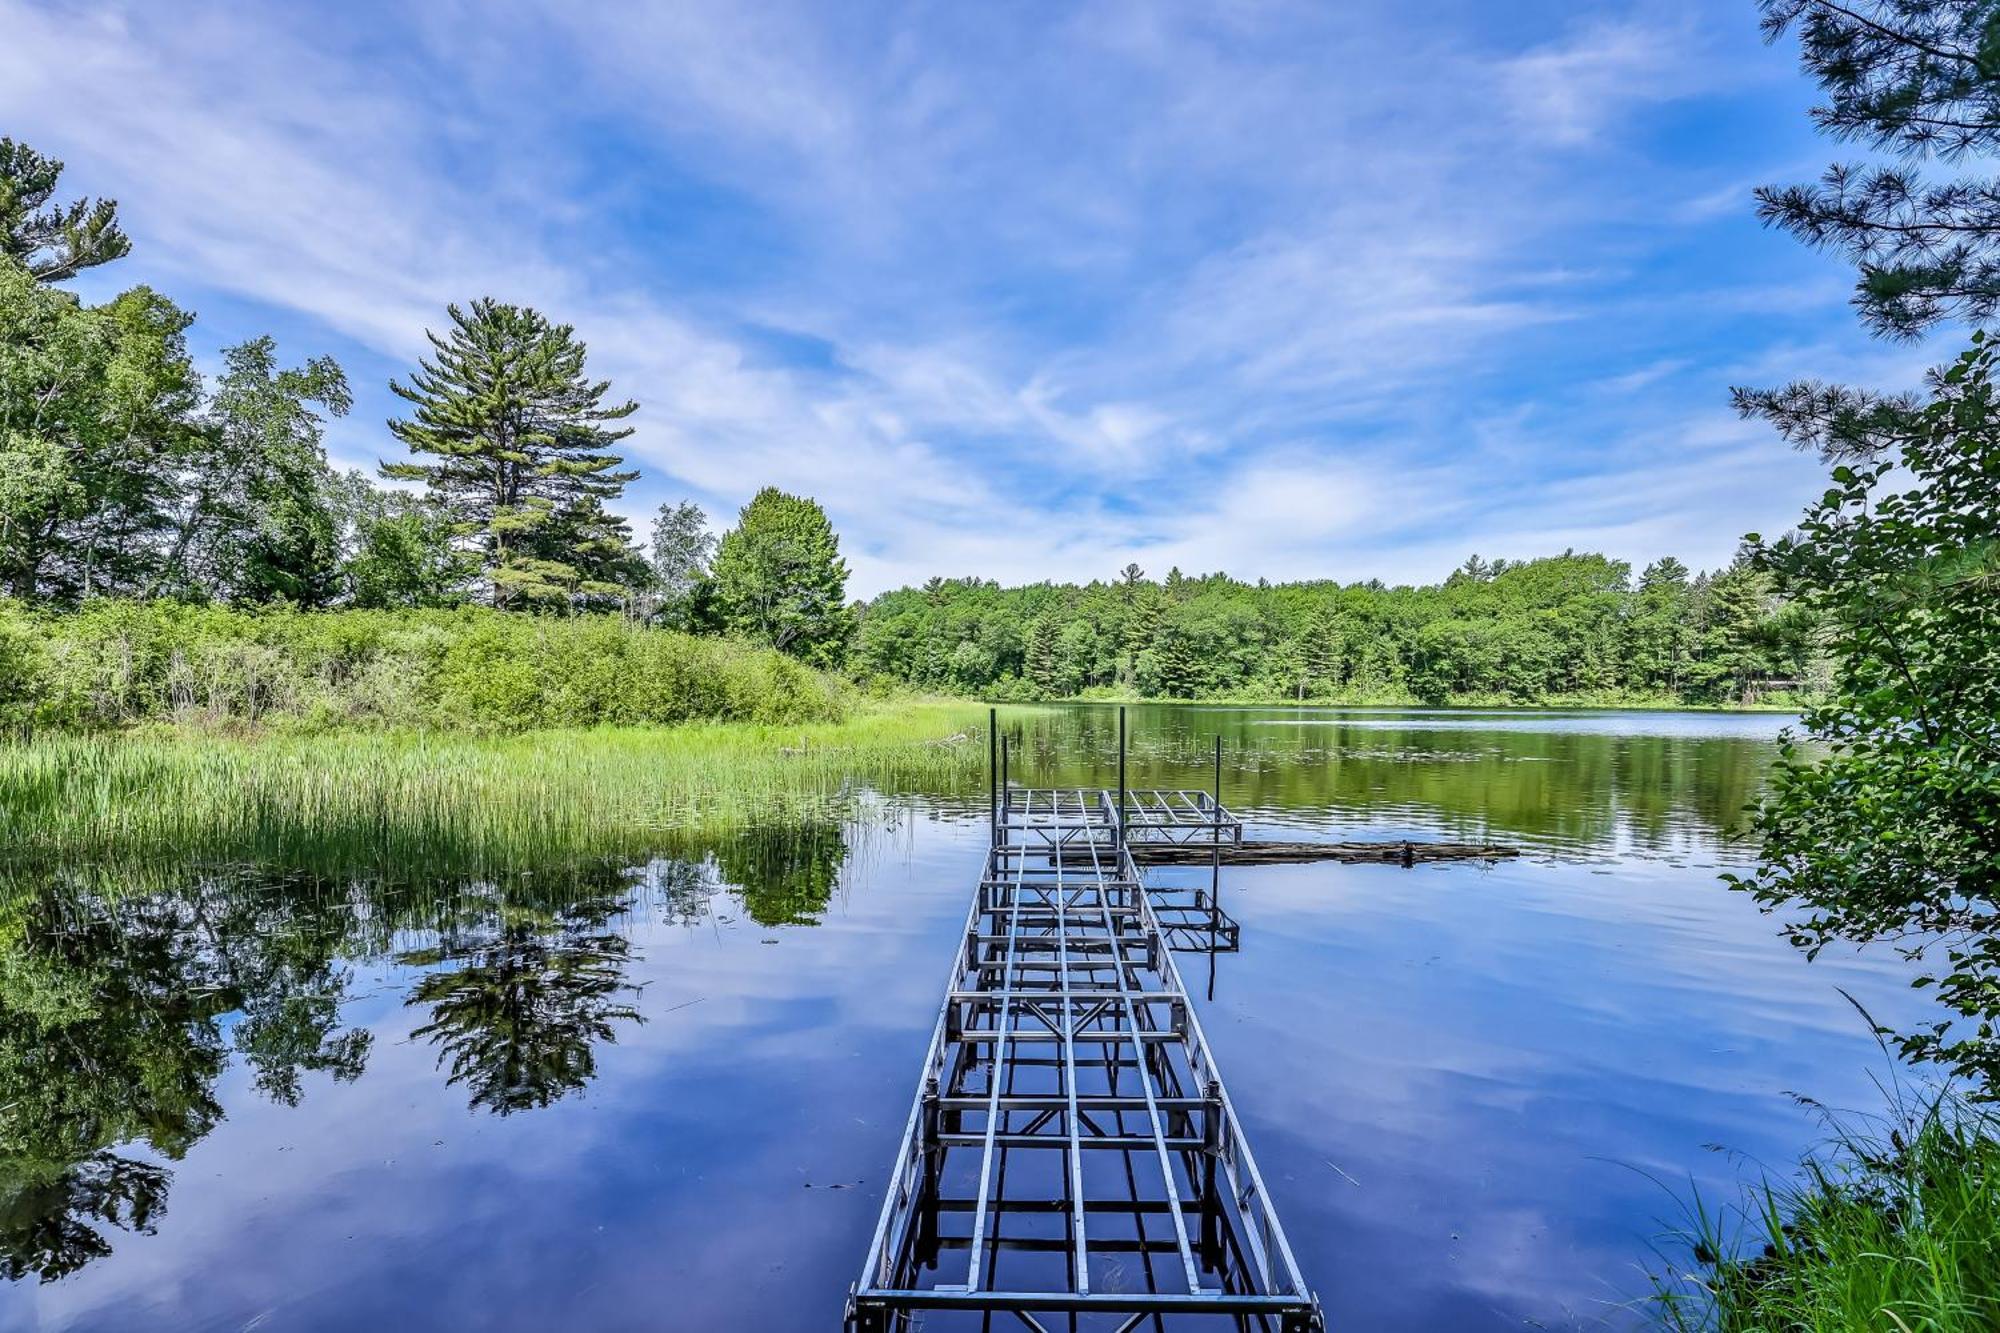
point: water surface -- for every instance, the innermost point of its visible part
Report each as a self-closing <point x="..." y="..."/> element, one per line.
<point x="663" y="1096"/>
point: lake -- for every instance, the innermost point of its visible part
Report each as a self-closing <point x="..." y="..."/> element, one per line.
<point x="664" y="1096"/>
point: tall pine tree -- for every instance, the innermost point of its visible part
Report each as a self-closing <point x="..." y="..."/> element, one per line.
<point x="520" y="437"/>
<point x="52" y="241"/>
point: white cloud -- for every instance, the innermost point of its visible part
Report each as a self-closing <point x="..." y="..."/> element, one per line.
<point x="1573" y="90"/>
<point x="1223" y="287"/>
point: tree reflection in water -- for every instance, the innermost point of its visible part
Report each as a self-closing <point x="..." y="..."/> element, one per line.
<point x="786" y="874"/>
<point x="46" y="1219"/>
<point x="112" y="1034"/>
<point x="534" y="991"/>
<point x="125" y="996"/>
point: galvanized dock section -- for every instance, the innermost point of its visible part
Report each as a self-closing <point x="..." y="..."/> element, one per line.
<point x="1072" y="1159"/>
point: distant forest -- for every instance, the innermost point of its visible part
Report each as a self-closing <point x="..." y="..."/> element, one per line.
<point x="1572" y="627"/>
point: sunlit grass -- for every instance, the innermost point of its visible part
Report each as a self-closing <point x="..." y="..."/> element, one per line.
<point x="372" y="798"/>
<point x="1895" y="1226"/>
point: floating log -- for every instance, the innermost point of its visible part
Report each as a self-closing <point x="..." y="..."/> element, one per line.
<point x="1295" y="853"/>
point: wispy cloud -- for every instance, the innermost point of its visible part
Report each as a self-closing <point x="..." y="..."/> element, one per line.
<point x="1277" y="288"/>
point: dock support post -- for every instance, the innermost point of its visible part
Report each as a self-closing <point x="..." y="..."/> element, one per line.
<point x="1121" y="775"/>
<point x="1215" y="846"/>
<point x="993" y="773"/>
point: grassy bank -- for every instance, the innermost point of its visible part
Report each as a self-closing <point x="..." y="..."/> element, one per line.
<point x="1895" y="1226"/>
<point x="338" y="801"/>
<point x="114" y="663"/>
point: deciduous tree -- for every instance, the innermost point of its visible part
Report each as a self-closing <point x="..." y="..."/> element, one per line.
<point x="254" y="517"/>
<point x="1884" y="822"/>
<point x="683" y="548"/>
<point x="780" y="579"/>
<point x="97" y="422"/>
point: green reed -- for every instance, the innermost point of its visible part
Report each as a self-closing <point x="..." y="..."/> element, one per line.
<point x="351" y="799"/>
<point x="1895" y="1226"/>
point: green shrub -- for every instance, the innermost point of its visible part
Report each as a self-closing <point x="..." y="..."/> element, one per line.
<point x="23" y="669"/>
<point x="117" y="662"/>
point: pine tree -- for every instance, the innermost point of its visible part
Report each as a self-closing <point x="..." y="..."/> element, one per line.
<point x="57" y="242"/>
<point x="603" y="568"/>
<point x="1042" y="666"/>
<point x="1143" y="616"/>
<point x="1919" y="79"/>
<point x="1325" y="650"/>
<point x="1474" y="570"/>
<point x="779" y="578"/>
<point x="1733" y="612"/>
<point x="1659" y="636"/>
<point x="519" y="431"/>
<point x="1175" y="665"/>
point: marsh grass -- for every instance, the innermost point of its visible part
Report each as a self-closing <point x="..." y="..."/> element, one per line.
<point x="1894" y="1225"/>
<point x="348" y="801"/>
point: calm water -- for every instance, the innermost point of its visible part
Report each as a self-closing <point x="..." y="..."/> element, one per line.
<point x="664" y="1097"/>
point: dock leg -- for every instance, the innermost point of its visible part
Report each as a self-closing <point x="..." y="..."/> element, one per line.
<point x="864" y="1318"/>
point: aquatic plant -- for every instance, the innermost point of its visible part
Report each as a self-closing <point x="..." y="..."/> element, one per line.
<point x="364" y="800"/>
<point x="1894" y="1225"/>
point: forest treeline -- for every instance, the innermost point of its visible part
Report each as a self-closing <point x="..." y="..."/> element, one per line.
<point x="1569" y="627"/>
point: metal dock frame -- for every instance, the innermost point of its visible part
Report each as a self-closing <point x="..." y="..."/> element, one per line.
<point x="1071" y="1151"/>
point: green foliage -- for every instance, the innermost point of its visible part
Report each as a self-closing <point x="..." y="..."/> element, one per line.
<point x="256" y="523"/>
<point x="96" y="423"/>
<point x="402" y="549"/>
<point x="520" y="436"/>
<point x="1568" y="627"/>
<point x="119" y="477"/>
<point x="51" y="242"/>
<point x="116" y="662"/>
<point x="1885" y="825"/>
<point x="1896" y="1225"/>
<point x="683" y="547"/>
<point x="1920" y="78"/>
<point x="779" y="579"/>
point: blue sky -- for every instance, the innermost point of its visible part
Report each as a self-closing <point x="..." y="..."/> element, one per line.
<point x="1027" y="290"/>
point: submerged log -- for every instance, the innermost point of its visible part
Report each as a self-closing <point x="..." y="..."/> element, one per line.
<point x="1294" y="853"/>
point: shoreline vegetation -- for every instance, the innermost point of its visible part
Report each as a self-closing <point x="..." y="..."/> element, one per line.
<point x="112" y="663"/>
<point x="1778" y="701"/>
<point x="355" y="801"/>
<point x="115" y="663"/>
<point x="1894" y="1223"/>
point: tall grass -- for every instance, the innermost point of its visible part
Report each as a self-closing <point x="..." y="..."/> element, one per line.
<point x="349" y="800"/>
<point x="1895" y="1226"/>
